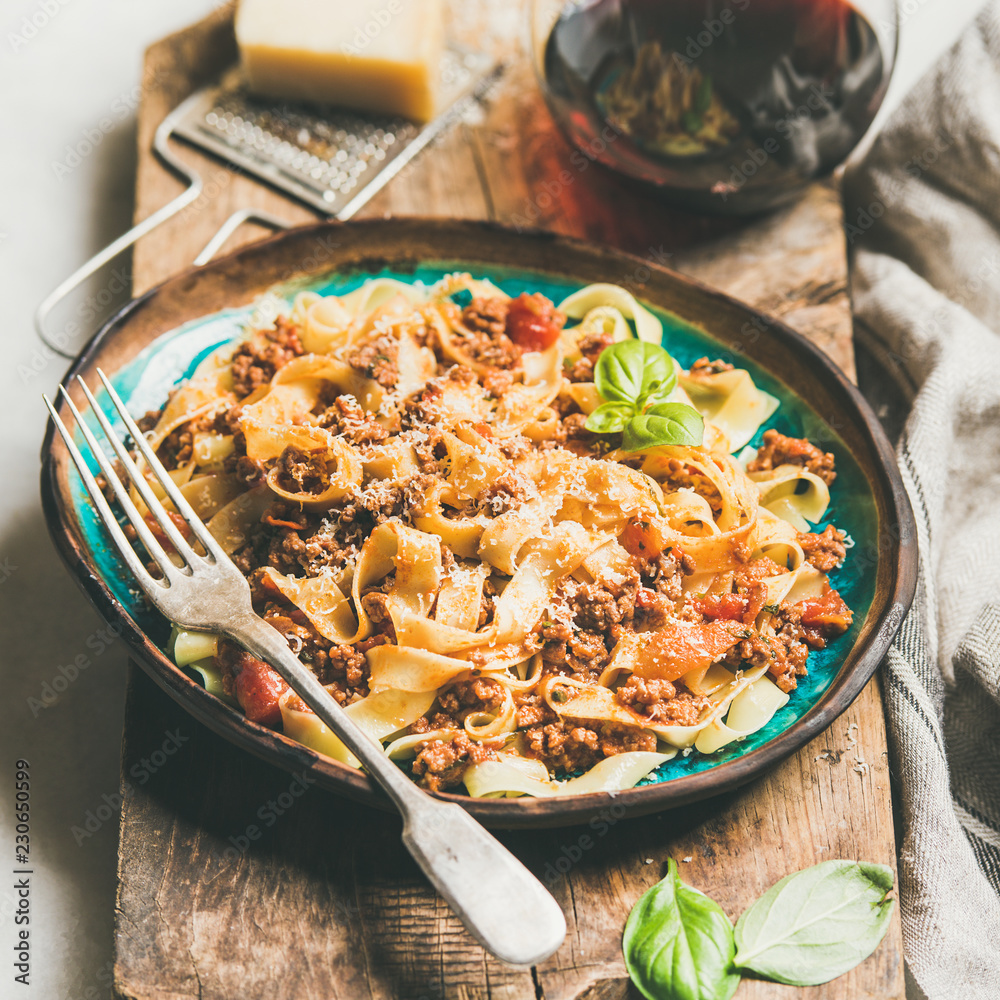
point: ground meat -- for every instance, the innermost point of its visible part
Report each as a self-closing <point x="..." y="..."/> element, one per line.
<point x="248" y="470"/>
<point x="414" y="496"/>
<point x="177" y="447"/>
<point x="430" y="450"/>
<point x="487" y="602"/>
<point x="301" y="471"/>
<point x="304" y="544"/>
<point x="461" y="375"/>
<point x="826" y="551"/>
<point x="515" y="447"/>
<point x="572" y="435"/>
<point x="705" y="367"/>
<point x="497" y="381"/>
<point x="625" y="739"/>
<point x="378" y="359"/>
<point x="507" y="491"/>
<point x="777" y="449"/>
<point x="591" y="345"/>
<point x="461" y="700"/>
<point x="652" y="610"/>
<point x="346" y="417"/>
<point x="256" y="361"/>
<point x="485" y="339"/>
<point x="664" y="573"/>
<point x="228" y="421"/>
<point x="151" y="418"/>
<point x="340" y="667"/>
<point x="567" y="650"/>
<point x="532" y="710"/>
<point x="486" y="315"/>
<point x="661" y="702"/>
<point x="784" y="653"/>
<point x="422" y="410"/>
<point x="375" y="604"/>
<point x="606" y="603"/>
<point x="679" y="475"/>
<point x="346" y="665"/>
<point x="440" y="765"/>
<point x="383" y="499"/>
<point x="566" y="746"/>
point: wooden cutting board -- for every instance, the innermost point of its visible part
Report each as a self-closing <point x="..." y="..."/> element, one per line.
<point x="236" y="880"/>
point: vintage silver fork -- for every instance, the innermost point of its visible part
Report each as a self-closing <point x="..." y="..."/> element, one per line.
<point x="501" y="903"/>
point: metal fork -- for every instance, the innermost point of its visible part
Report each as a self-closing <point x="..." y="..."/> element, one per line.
<point x="501" y="903"/>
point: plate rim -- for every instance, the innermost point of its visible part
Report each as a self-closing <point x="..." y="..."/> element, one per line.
<point x="279" y="750"/>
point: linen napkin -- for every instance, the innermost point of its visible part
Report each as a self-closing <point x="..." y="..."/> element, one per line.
<point x="922" y="213"/>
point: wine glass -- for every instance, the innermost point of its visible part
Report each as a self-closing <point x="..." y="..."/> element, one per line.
<point x="723" y="106"/>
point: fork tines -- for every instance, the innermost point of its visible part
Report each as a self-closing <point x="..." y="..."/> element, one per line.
<point x="157" y="512"/>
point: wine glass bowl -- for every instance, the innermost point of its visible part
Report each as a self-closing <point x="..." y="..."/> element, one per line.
<point x="726" y="106"/>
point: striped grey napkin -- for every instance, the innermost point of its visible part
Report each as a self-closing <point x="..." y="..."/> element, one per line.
<point x="923" y="225"/>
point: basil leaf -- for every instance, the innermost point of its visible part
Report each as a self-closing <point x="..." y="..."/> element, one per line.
<point x="609" y="418"/>
<point x="703" y="96"/>
<point x="816" y="924"/>
<point x="678" y="944"/>
<point x="692" y="122"/>
<point x="665" y="423"/>
<point x="632" y="371"/>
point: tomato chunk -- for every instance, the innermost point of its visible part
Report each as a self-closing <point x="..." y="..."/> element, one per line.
<point x="642" y="538"/>
<point x="731" y="607"/>
<point x="160" y="535"/>
<point x="673" y="651"/>
<point x="827" y="614"/>
<point x="533" y="322"/>
<point x="258" y="689"/>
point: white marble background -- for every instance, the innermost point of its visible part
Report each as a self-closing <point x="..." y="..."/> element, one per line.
<point x="70" y="80"/>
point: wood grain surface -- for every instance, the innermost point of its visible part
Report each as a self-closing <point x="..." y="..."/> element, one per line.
<point x="237" y="881"/>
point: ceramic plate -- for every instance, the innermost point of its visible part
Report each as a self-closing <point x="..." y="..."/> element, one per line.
<point x="159" y="338"/>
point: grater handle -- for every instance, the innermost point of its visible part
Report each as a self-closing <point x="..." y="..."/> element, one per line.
<point x="185" y="198"/>
<point x="56" y="342"/>
<point x="216" y="243"/>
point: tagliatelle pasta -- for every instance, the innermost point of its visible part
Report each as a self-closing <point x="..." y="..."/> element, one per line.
<point x="508" y="602"/>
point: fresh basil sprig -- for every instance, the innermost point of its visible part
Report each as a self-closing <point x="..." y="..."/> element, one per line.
<point x="807" y="929"/>
<point x="678" y="944"/>
<point x="816" y="924"/>
<point x="664" y="423"/>
<point x="636" y="378"/>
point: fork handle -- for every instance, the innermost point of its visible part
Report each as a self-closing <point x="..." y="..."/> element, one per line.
<point x="501" y="903"/>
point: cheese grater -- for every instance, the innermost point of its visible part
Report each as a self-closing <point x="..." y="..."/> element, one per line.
<point x="332" y="159"/>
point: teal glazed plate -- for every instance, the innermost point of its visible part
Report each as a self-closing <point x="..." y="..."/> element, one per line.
<point x="158" y="339"/>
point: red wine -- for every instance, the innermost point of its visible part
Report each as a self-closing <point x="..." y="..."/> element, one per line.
<point x="730" y="105"/>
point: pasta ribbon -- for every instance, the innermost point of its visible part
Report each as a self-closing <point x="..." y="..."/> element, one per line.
<point x="493" y="591"/>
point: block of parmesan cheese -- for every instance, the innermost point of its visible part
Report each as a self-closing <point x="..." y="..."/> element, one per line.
<point x="371" y="55"/>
